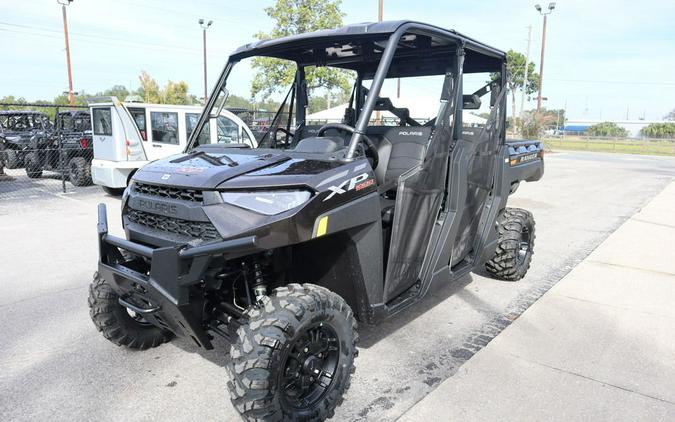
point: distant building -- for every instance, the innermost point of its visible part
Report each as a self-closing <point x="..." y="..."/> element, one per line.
<point x="580" y="126"/>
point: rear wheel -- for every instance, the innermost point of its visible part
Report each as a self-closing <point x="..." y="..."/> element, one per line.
<point x="118" y="324"/>
<point x="12" y="160"/>
<point x="294" y="358"/>
<point x="112" y="191"/>
<point x="33" y="167"/>
<point x="79" y="171"/>
<point x="515" y="245"/>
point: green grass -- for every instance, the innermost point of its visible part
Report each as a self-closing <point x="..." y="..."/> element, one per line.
<point x="624" y="146"/>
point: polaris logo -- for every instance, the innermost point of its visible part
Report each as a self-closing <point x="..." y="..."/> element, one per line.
<point x="349" y="184"/>
<point x="157" y="207"/>
<point x="410" y="133"/>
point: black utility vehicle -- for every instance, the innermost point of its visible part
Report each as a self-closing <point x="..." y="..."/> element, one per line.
<point x="69" y="149"/>
<point x="281" y="249"/>
<point x="20" y="128"/>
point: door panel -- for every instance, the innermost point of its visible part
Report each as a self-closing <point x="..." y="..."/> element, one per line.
<point x="481" y="170"/>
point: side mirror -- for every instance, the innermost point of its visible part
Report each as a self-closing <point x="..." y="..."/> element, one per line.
<point x="471" y="102"/>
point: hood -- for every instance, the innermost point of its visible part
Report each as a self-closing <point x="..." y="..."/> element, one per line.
<point x="205" y="169"/>
<point x="236" y="168"/>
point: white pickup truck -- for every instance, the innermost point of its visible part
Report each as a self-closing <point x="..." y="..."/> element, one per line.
<point x="127" y="136"/>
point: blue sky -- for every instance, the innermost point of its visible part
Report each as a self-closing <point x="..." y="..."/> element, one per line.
<point x="604" y="59"/>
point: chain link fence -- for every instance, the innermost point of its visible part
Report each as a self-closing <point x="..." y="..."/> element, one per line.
<point x="44" y="150"/>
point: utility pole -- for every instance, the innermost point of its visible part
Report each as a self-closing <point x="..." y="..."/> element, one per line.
<point x="380" y="12"/>
<point x="527" y="62"/>
<point x="64" y="3"/>
<point x="551" y="6"/>
<point x="205" y="26"/>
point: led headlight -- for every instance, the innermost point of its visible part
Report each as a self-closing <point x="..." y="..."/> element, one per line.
<point x="267" y="202"/>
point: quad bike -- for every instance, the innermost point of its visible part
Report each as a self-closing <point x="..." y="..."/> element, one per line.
<point x="281" y="249"/>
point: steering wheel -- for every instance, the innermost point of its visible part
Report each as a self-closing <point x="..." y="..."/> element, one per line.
<point x="370" y="146"/>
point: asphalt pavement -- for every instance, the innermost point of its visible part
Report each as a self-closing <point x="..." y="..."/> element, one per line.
<point x="54" y="365"/>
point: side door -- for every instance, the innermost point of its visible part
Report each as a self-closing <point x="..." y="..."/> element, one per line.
<point x="105" y="147"/>
<point x="163" y="134"/>
<point x="482" y="153"/>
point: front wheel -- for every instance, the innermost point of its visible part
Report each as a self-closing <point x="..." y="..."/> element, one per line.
<point x="294" y="357"/>
<point x="118" y="324"/>
<point x="515" y="245"/>
<point x="12" y="159"/>
<point x="33" y="166"/>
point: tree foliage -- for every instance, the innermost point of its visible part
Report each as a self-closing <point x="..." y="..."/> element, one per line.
<point x="172" y="92"/>
<point x="515" y="78"/>
<point x="607" y="129"/>
<point x="296" y="17"/>
<point x="659" y="130"/>
<point x="670" y="116"/>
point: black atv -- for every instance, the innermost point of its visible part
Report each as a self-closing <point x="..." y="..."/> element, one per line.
<point x="19" y="129"/>
<point x="68" y="150"/>
<point x="282" y="248"/>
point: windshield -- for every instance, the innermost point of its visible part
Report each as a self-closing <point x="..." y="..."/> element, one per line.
<point x="261" y="92"/>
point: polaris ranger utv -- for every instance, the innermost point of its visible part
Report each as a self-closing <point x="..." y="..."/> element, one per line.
<point x="68" y="150"/>
<point x="282" y="248"/>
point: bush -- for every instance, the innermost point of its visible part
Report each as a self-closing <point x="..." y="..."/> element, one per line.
<point x="659" y="130"/>
<point x="532" y="125"/>
<point x="607" y="129"/>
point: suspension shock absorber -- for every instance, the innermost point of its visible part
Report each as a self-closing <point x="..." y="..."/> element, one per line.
<point x="259" y="286"/>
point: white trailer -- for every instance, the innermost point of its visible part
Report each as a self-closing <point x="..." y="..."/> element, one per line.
<point x="129" y="135"/>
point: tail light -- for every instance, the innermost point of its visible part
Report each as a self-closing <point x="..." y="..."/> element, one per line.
<point x="128" y="145"/>
<point x="84" y="143"/>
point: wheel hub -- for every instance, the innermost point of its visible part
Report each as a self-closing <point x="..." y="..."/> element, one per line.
<point x="310" y="366"/>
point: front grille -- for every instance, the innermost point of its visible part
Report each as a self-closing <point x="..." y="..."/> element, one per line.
<point x="193" y="229"/>
<point x="192" y="195"/>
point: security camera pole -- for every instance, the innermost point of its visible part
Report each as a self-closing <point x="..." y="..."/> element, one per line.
<point x="64" y="3"/>
<point x="205" y="26"/>
<point x="551" y="6"/>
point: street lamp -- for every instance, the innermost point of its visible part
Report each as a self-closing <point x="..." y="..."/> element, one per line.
<point x="64" y="3"/>
<point x="551" y="6"/>
<point x="205" y="25"/>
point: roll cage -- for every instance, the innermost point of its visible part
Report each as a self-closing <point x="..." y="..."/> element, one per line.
<point x="375" y="51"/>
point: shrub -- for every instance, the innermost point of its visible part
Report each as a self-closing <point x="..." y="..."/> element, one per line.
<point x="659" y="130"/>
<point x="607" y="129"/>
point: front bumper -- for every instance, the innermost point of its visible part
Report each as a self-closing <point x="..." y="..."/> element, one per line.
<point x="162" y="295"/>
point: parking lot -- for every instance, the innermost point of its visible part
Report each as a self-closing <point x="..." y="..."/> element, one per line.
<point x="54" y="365"/>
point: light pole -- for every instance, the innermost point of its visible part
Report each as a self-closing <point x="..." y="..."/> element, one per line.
<point x="64" y="3"/>
<point x="205" y="25"/>
<point x="551" y="6"/>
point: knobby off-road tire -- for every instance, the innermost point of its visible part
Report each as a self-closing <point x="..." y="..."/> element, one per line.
<point x="116" y="324"/>
<point x="272" y="355"/>
<point x="12" y="160"/>
<point x="79" y="171"/>
<point x="33" y="167"/>
<point x="515" y="245"/>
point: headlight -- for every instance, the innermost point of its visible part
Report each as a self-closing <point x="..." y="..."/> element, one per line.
<point x="267" y="202"/>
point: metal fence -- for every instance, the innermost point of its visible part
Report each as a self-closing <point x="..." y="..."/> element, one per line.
<point x="644" y="146"/>
<point x="44" y="150"/>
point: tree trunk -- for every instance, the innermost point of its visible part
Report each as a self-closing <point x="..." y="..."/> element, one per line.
<point x="513" y="110"/>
